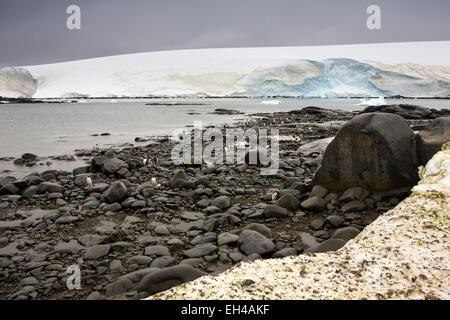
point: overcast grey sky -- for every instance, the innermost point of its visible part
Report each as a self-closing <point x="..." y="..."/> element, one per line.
<point x="34" y="31"/>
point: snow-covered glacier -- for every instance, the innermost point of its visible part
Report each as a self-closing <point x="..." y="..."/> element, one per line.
<point x="417" y="69"/>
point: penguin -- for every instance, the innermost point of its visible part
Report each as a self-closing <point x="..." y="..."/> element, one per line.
<point x="154" y="162"/>
<point x="89" y="183"/>
<point x="154" y="183"/>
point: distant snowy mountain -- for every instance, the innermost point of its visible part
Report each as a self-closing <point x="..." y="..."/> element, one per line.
<point x="406" y="69"/>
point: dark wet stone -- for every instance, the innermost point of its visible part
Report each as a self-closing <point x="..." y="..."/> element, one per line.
<point x="200" y="250"/>
<point x="253" y="242"/>
<point x="274" y="211"/>
<point x="97" y="252"/>
<point x="118" y="287"/>
<point x="163" y="262"/>
<point x="346" y="233"/>
<point x="165" y="279"/>
<point x="157" y="251"/>
<point x="328" y="245"/>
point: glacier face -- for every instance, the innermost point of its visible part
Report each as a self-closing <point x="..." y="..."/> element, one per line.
<point x="17" y="83"/>
<point x="324" y="71"/>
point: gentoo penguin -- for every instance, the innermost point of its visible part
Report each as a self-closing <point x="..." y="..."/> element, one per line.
<point x="89" y="182"/>
<point x="154" y="162"/>
<point x="154" y="183"/>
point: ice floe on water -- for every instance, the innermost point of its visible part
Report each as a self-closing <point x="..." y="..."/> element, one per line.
<point x="272" y="102"/>
<point x="373" y="102"/>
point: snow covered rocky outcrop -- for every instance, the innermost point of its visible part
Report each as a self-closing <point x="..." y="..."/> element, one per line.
<point x="407" y="69"/>
<point x="17" y="83"/>
<point x="404" y="254"/>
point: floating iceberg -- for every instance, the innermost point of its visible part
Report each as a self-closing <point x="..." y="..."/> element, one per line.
<point x="274" y="102"/>
<point x="373" y="102"/>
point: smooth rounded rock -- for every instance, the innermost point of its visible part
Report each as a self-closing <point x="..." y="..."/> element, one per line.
<point x="346" y="233"/>
<point x="200" y="251"/>
<point x="167" y="278"/>
<point x="274" y="211"/>
<point x="97" y="252"/>
<point x="118" y="287"/>
<point x="288" y="202"/>
<point x="332" y="244"/>
<point x="253" y="242"/>
<point x="375" y="151"/>
<point x="314" y="204"/>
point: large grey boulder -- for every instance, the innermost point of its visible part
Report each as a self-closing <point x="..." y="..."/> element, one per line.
<point x="375" y="151"/>
<point x="432" y="137"/>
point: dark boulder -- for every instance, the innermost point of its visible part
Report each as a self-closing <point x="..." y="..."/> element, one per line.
<point x="117" y="192"/>
<point x="253" y="242"/>
<point x="374" y="151"/>
<point x="107" y="165"/>
<point x="9" y="189"/>
<point x="432" y="137"/>
<point x="406" y="111"/>
<point x="29" y="157"/>
<point x="274" y="211"/>
<point x="289" y="202"/>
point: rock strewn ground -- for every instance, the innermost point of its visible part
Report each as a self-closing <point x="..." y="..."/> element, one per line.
<point x="404" y="254"/>
<point x="130" y="239"/>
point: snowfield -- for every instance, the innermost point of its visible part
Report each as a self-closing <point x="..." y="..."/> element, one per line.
<point x="408" y="69"/>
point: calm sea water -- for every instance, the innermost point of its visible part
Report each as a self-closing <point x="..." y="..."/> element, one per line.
<point x="57" y="129"/>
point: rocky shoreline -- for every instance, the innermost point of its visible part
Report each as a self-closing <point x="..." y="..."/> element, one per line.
<point x="132" y="238"/>
<point x="401" y="255"/>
